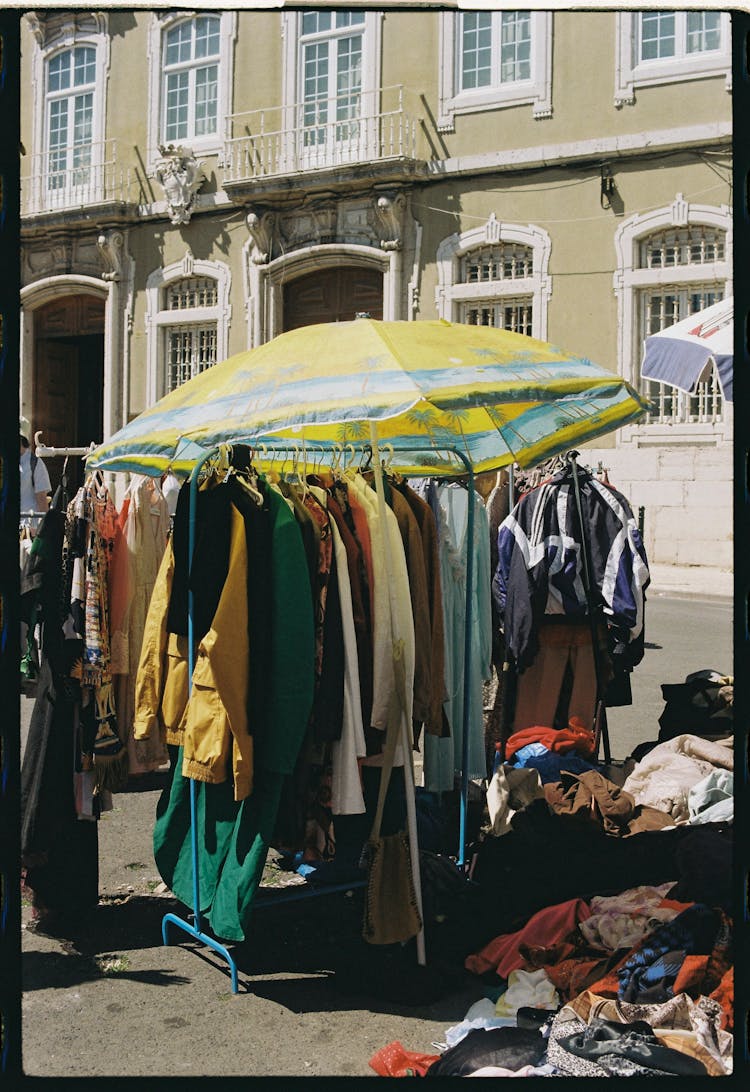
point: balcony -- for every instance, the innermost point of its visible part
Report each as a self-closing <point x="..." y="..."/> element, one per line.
<point x="330" y="141"/>
<point x="76" y="179"/>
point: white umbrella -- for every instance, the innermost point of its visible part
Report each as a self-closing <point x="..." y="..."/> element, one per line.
<point x="679" y="354"/>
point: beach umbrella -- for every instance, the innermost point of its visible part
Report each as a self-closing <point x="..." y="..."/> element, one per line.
<point x="500" y="397"/>
<point x="495" y="396"/>
<point x="679" y="354"/>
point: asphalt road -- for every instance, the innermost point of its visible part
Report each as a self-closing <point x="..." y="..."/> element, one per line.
<point x="115" y="1001"/>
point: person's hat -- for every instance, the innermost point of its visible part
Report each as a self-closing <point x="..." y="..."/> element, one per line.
<point x="24" y="429"/>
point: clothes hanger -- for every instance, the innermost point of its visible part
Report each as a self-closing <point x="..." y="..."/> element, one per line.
<point x="246" y="485"/>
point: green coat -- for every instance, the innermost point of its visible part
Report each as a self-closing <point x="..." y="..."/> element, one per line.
<point x="233" y="838"/>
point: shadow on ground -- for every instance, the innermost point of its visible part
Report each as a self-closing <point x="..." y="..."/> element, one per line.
<point x="308" y="956"/>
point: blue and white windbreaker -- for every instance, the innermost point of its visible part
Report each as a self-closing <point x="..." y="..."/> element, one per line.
<point x="539" y="570"/>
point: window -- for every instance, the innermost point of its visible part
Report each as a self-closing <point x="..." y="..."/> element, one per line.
<point x="191" y="67"/>
<point x="664" y="46"/>
<point x="496" y="275"/>
<point x="677" y="34"/>
<point x="189" y="349"/>
<point x="672" y="263"/>
<point x="70" y="162"/>
<point x="487" y="265"/>
<point x="331" y="87"/>
<point x="191" y="63"/>
<point x="187" y="322"/>
<point x="494" y="58"/>
<point x="71" y="78"/>
<point x="331" y="59"/>
<point x="662" y="306"/>
<point x="494" y="50"/>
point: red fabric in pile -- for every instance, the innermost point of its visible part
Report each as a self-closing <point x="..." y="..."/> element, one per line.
<point x="576" y="737"/>
<point x="393" y="1061"/>
<point x="546" y="928"/>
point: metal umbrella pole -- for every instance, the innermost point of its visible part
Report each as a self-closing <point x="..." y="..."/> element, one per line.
<point x="600" y="713"/>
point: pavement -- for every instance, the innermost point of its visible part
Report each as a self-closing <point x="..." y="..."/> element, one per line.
<point x="110" y="999"/>
<point x="692" y="580"/>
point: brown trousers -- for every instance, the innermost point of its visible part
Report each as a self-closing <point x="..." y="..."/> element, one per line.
<point x="538" y="688"/>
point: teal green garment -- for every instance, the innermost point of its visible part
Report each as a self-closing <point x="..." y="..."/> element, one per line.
<point x="233" y="838"/>
<point x="233" y="841"/>
<point x="443" y="757"/>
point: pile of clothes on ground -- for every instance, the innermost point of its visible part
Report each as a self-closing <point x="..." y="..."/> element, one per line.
<point x="607" y="917"/>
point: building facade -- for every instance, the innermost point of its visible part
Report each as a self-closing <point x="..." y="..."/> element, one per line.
<point x="193" y="183"/>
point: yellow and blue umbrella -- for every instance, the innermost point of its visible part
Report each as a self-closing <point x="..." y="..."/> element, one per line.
<point x="497" y="396"/>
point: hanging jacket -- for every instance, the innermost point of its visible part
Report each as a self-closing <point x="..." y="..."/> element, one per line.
<point x="539" y="569"/>
<point x="211" y="722"/>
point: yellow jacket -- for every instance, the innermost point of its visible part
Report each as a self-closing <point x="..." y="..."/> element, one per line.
<point x="211" y="720"/>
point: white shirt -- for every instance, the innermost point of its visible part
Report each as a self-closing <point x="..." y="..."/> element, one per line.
<point x="41" y="484"/>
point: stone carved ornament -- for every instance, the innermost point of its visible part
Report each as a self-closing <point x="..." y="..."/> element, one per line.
<point x="374" y="221"/>
<point x="111" y="246"/>
<point x="390" y="208"/>
<point x="181" y="176"/>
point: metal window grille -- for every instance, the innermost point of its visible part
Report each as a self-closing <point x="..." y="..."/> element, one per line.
<point x="510" y="314"/>
<point x="662" y="307"/>
<point x="191" y="292"/>
<point x="694" y="245"/>
<point x="507" y="261"/>
<point x="190" y="350"/>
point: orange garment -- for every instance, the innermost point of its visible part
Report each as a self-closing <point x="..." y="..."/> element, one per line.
<point x="576" y="737"/>
<point x="547" y="927"/>
<point x="691" y="975"/>
<point x="393" y="1061"/>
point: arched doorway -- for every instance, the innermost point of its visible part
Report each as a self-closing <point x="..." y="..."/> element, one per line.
<point x="333" y="294"/>
<point x="68" y="377"/>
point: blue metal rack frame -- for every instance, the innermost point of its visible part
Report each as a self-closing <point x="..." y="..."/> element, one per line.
<point x="194" y="929"/>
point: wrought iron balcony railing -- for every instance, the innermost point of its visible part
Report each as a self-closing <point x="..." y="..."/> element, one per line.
<point x="353" y="128"/>
<point x="76" y="177"/>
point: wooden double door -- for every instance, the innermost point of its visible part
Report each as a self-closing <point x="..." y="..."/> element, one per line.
<point x="333" y="295"/>
<point x="68" y="383"/>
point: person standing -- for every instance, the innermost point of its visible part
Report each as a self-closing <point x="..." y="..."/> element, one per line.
<point x="35" y="483"/>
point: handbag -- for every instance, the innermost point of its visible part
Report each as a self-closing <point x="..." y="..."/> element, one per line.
<point x="391" y="912"/>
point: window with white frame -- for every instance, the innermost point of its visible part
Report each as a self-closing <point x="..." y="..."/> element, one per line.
<point x="672" y="262"/>
<point x="331" y="75"/>
<point x="662" y="305"/>
<point x="187" y="322"/>
<point x="496" y="275"/>
<point x="491" y="59"/>
<point x="191" y="70"/>
<point x="191" y="63"/>
<point x="70" y="88"/>
<point x="331" y="90"/>
<point x="498" y="268"/>
<point x="189" y="347"/>
<point x="658" y="46"/>
<point x="70" y="159"/>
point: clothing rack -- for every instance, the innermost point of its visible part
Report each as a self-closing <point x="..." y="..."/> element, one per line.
<point x="43" y="452"/>
<point x="312" y="454"/>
